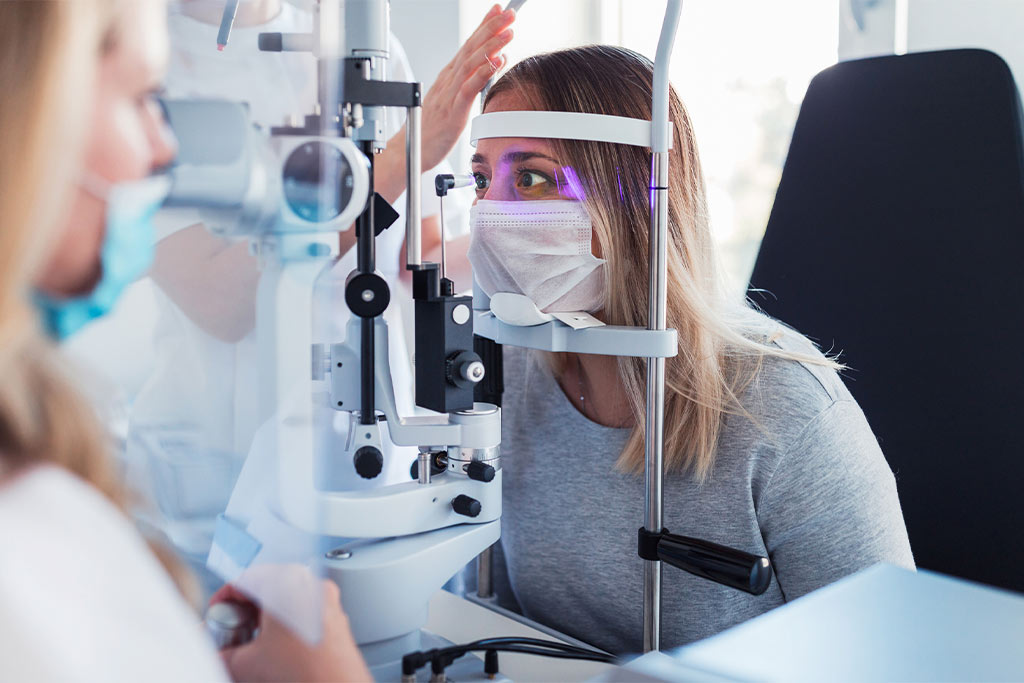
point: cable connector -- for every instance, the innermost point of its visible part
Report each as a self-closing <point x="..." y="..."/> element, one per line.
<point x="491" y="664"/>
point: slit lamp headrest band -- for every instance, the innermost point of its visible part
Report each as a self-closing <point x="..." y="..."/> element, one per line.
<point x="563" y="125"/>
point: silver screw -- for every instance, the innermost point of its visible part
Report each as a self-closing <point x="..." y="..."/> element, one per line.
<point x="474" y="371"/>
<point x="338" y="554"/>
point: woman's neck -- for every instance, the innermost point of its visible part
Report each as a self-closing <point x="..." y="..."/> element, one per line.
<point x="593" y="386"/>
<point x="250" y="12"/>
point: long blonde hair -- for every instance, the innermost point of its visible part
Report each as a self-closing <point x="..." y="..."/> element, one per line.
<point x="722" y="341"/>
<point x="49" y="50"/>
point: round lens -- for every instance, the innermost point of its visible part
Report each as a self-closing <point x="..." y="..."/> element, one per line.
<point x="317" y="182"/>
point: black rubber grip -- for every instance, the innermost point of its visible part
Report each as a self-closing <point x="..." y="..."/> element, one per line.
<point x="727" y="566"/>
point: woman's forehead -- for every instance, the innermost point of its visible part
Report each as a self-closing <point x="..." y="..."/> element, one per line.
<point x="143" y="46"/>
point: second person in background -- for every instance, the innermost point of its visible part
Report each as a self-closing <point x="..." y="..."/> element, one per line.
<point x="192" y="424"/>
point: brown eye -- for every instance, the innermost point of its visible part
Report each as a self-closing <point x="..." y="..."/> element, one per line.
<point x="482" y="183"/>
<point x="531" y="180"/>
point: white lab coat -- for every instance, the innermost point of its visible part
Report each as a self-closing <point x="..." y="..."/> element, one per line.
<point x="194" y="420"/>
<point x="81" y="596"/>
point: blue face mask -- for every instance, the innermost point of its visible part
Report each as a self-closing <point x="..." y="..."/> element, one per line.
<point x="126" y="254"/>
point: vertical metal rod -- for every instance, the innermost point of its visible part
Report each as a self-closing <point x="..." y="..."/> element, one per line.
<point x="423" y="464"/>
<point x="657" y="311"/>
<point x="366" y="257"/>
<point x="414" y="169"/>
<point x="367" y="397"/>
<point x="365" y="238"/>
<point x="444" y="254"/>
<point x="485" y="573"/>
<point x="655" y="416"/>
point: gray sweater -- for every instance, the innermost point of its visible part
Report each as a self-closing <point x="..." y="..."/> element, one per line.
<point x="809" y="488"/>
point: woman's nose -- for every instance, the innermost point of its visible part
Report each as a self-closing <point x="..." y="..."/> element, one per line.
<point x="163" y="144"/>
<point x="497" y="193"/>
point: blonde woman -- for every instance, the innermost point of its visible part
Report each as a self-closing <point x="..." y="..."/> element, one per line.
<point x="82" y="597"/>
<point x="766" y="449"/>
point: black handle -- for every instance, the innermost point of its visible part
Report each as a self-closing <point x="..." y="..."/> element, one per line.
<point x="727" y="566"/>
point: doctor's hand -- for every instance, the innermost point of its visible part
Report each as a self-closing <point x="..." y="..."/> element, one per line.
<point x="277" y="654"/>
<point x="447" y="105"/>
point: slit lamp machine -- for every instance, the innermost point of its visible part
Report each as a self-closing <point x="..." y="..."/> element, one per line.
<point x="290" y="191"/>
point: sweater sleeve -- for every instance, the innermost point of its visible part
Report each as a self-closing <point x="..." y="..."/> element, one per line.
<point x="831" y="507"/>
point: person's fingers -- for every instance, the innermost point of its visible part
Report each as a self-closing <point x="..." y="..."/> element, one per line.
<point x="488" y="53"/>
<point x="475" y="83"/>
<point x="229" y="593"/>
<point x="492" y="24"/>
<point x="241" y="661"/>
<point x="332" y="594"/>
<point x="495" y="9"/>
<point x="484" y="32"/>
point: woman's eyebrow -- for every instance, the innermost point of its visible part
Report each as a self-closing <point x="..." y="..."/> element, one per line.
<point x="520" y="157"/>
<point x="478" y="159"/>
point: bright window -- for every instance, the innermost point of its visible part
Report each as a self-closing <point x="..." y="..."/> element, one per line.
<point x="742" y="68"/>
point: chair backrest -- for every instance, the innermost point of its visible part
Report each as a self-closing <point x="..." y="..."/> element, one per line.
<point x="897" y="239"/>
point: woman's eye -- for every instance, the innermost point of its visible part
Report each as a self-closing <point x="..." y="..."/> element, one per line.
<point x="482" y="183"/>
<point x="531" y="179"/>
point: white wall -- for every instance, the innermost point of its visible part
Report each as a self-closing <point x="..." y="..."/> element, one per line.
<point x="895" y="26"/>
<point x="996" y="25"/>
<point x="876" y="37"/>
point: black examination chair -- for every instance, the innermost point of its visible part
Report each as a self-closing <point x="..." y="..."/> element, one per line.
<point x="897" y="238"/>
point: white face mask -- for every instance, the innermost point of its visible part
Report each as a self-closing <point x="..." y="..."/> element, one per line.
<point x="540" y="249"/>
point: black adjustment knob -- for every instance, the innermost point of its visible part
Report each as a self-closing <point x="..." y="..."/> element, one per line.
<point x="464" y="369"/>
<point x="367" y="295"/>
<point x="480" y="471"/>
<point x="369" y="462"/>
<point x="270" y="42"/>
<point x="464" y="505"/>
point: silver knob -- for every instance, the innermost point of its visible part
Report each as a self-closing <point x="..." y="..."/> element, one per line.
<point x="229" y="624"/>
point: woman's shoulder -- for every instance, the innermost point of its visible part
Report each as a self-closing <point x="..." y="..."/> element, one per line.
<point x="798" y="375"/>
<point x="789" y="388"/>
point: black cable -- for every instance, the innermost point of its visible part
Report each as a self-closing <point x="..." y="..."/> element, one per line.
<point x="441" y="658"/>
<point x="554" y="654"/>
<point x="530" y="641"/>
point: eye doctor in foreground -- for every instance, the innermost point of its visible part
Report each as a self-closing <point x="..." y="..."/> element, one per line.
<point x="82" y="596"/>
<point x="765" y="448"/>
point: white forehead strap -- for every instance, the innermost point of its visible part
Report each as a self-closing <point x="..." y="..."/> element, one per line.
<point x="563" y="125"/>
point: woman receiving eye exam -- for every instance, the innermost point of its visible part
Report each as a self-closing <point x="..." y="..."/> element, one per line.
<point x="765" y="449"/>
